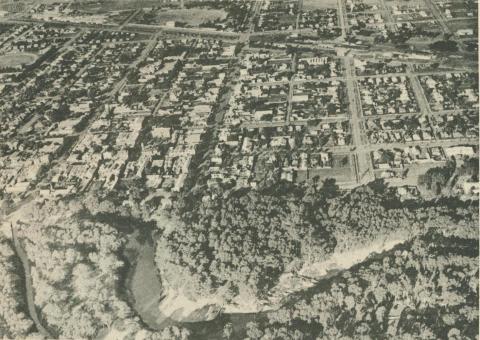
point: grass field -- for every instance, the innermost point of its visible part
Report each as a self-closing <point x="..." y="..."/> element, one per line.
<point x="318" y="4"/>
<point x="192" y="17"/>
<point x="12" y="60"/>
<point x="339" y="174"/>
<point x="414" y="171"/>
<point x="463" y="24"/>
<point x="113" y="5"/>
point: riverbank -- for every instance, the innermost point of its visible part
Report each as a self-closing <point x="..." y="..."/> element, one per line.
<point x="158" y="309"/>
<point x="178" y="306"/>
<point x="312" y="273"/>
<point x="143" y="285"/>
<point x="32" y="308"/>
<point x="159" y="306"/>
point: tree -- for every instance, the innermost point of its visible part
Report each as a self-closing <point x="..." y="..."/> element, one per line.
<point x="444" y="46"/>
<point x="360" y="302"/>
<point x="13" y="308"/>
<point x="329" y="189"/>
<point x="61" y="113"/>
<point x="253" y="331"/>
<point x="228" y="331"/>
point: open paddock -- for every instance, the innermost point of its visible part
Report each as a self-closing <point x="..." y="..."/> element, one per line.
<point x="116" y="5"/>
<point x="341" y="171"/>
<point x="192" y="17"/>
<point x="410" y="173"/>
<point x="310" y="5"/>
<point x="17" y="59"/>
<point x="339" y="174"/>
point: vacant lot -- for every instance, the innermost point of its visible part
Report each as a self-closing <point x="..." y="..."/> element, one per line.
<point x="464" y="24"/>
<point x="115" y="5"/>
<point x="413" y="172"/>
<point x="12" y="60"/>
<point x="191" y="16"/>
<point x="309" y="5"/>
<point x="341" y="171"/>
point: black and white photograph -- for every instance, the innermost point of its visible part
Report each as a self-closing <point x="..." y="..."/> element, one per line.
<point x="239" y="170"/>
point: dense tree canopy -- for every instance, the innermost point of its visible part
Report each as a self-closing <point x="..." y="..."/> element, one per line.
<point x="244" y="240"/>
<point x="426" y="288"/>
<point x="239" y="242"/>
<point x="75" y="257"/>
<point x="14" y="323"/>
<point x="444" y="46"/>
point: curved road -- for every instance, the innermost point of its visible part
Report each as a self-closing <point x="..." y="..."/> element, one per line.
<point x="28" y="285"/>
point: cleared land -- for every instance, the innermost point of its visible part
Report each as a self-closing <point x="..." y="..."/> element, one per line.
<point x="341" y="171"/>
<point x="339" y="174"/>
<point x="12" y="60"/>
<point x="456" y="25"/>
<point x="309" y="5"/>
<point x="191" y="16"/>
<point x="413" y="172"/>
<point x="108" y="6"/>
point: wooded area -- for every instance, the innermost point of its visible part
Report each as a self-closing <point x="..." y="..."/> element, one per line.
<point x="426" y="288"/>
<point x="242" y="241"/>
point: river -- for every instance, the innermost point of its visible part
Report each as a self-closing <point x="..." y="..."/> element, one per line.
<point x="32" y="308"/>
<point x="145" y="293"/>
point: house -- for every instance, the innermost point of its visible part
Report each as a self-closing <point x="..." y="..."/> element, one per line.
<point x="471" y="188"/>
<point x="161" y="132"/>
<point x="465" y="32"/>
<point x="66" y="127"/>
<point x="17" y="188"/>
<point x="455" y="151"/>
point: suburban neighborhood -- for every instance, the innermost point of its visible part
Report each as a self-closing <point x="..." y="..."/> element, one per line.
<point x="206" y="113"/>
